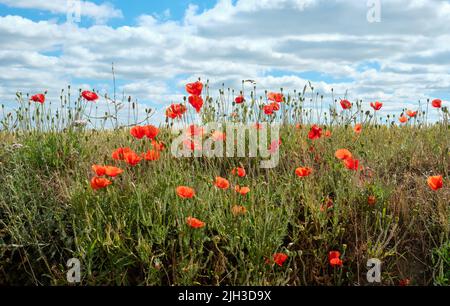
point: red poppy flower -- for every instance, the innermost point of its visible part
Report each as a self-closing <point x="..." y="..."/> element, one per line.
<point x="435" y="182"/>
<point x="106" y="170"/>
<point x="175" y="111"/>
<point x="276" y="97"/>
<point x="39" y="98"/>
<point x="346" y="104"/>
<point x="238" y="171"/>
<point x="404" y="282"/>
<point x="239" y="99"/>
<point x="218" y="136"/>
<point x="194" y="130"/>
<point x="119" y="153"/>
<point x="333" y="258"/>
<point x="241" y="190"/>
<point x="89" y="95"/>
<point x="437" y="103"/>
<point x="151" y="131"/>
<point x="315" y="132"/>
<point x="376" y="106"/>
<point x="192" y="145"/>
<point x="268" y="109"/>
<point x="274" y="146"/>
<point x="258" y="126"/>
<point x="99" y="170"/>
<point x="351" y="164"/>
<point x="222" y="183"/>
<point x="303" y="171"/>
<point x="158" y="146"/>
<point x="194" y="89"/>
<point x="358" y="128"/>
<point x="371" y="200"/>
<point x="328" y="204"/>
<point x="403" y="119"/>
<point x="237" y="210"/>
<point x="151" y="155"/>
<point x="327" y="133"/>
<point x="138" y="132"/>
<point x="185" y="192"/>
<point x="131" y="158"/>
<point x="194" y="222"/>
<point x="279" y="258"/>
<point x="196" y="102"/>
<point x="99" y="183"/>
<point x="275" y="106"/>
<point x="410" y="113"/>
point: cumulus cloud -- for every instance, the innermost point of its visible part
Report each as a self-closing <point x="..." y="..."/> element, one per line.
<point x="400" y="60"/>
<point x="101" y="13"/>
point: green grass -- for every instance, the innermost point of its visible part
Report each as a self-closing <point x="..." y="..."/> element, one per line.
<point x="134" y="232"/>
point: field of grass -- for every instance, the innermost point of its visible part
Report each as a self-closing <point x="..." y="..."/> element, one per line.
<point x="134" y="231"/>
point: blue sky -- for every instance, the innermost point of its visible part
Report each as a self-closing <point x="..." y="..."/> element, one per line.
<point x="158" y="46"/>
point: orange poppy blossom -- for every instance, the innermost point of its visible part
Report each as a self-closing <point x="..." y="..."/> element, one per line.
<point x="328" y="204"/>
<point x="149" y="131"/>
<point x="258" y="126"/>
<point x="371" y="200"/>
<point x="151" y="155"/>
<point x="328" y="133"/>
<point x="376" y="105"/>
<point x="194" y="222"/>
<point x="436" y="103"/>
<point x="275" y="97"/>
<point x="194" y="89"/>
<point x="242" y="190"/>
<point x="131" y="158"/>
<point x="175" y="111"/>
<point x="343" y="154"/>
<point x="221" y="183"/>
<point x="239" y="171"/>
<point x="403" y="119"/>
<point x="404" y="282"/>
<point x="358" y="128"/>
<point x="268" y="109"/>
<point x="334" y="259"/>
<point x="118" y="154"/>
<point x="345" y="104"/>
<point x="99" y="183"/>
<point x="185" y="192"/>
<point x="435" y="182"/>
<point x="303" y="171"/>
<point x="196" y="102"/>
<point x="137" y="132"/>
<point x="192" y="145"/>
<point x="238" y="210"/>
<point x="411" y="114"/>
<point x="315" y="132"/>
<point x="194" y="130"/>
<point x="278" y="258"/>
<point x="274" y="146"/>
<point x="158" y="146"/>
<point x="106" y="170"/>
<point x="218" y="136"/>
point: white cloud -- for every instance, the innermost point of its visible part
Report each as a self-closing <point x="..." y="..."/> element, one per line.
<point x="275" y="42"/>
<point x="101" y="13"/>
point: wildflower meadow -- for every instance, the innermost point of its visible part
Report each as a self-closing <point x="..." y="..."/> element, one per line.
<point x="186" y="201"/>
